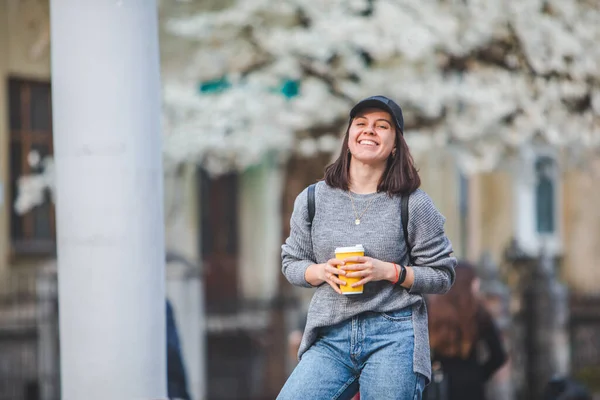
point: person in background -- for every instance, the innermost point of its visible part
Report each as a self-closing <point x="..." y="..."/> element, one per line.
<point x="176" y="379"/>
<point x="464" y="340"/>
<point x="565" y="389"/>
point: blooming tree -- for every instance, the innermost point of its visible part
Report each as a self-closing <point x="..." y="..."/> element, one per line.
<point x="484" y="78"/>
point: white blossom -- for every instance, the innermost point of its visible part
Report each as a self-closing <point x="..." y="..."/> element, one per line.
<point x="481" y="77"/>
<point x="329" y="143"/>
<point x="308" y="147"/>
<point x="32" y="188"/>
<point x="484" y="77"/>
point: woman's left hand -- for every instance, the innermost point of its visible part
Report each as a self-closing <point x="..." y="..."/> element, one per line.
<point x="369" y="269"/>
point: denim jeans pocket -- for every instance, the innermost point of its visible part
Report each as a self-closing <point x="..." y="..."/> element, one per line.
<point x="404" y="314"/>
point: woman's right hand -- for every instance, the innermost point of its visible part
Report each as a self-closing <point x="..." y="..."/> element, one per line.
<point x="328" y="272"/>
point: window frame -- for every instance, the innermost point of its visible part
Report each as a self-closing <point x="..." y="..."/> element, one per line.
<point x="27" y="244"/>
<point x="525" y="212"/>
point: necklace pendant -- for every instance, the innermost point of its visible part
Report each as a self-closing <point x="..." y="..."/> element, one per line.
<point x="357" y="221"/>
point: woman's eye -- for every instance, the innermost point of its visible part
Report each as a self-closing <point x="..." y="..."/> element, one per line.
<point x="383" y="126"/>
<point x="360" y="123"/>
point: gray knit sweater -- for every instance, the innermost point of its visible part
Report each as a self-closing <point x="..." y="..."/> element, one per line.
<point x="380" y="232"/>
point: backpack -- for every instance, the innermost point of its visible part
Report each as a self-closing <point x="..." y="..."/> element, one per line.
<point x="403" y="214"/>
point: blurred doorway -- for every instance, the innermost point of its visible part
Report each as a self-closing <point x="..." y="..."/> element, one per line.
<point x="219" y="237"/>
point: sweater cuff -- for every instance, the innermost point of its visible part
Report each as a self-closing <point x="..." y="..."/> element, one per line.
<point x="419" y="281"/>
<point x="429" y="280"/>
<point x="298" y="277"/>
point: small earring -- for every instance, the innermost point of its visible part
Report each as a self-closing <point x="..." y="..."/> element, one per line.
<point x="394" y="152"/>
<point x="348" y="151"/>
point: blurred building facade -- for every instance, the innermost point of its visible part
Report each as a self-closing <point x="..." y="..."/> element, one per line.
<point x="26" y="242"/>
<point x="29" y="342"/>
<point x="25" y="112"/>
<point x="209" y="228"/>
<point x="228" y="229"/>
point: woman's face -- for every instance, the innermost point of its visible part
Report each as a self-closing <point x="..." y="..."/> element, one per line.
<point x="372" y="136"/>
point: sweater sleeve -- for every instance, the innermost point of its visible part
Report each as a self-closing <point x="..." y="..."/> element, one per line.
<point x="297" y="253"/>
<point x="431" y="249"/>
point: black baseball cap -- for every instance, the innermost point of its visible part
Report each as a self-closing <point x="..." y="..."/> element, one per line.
<point x="382" y="103"/>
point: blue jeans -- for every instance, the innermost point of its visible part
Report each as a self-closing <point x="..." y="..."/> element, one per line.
<point x="372" y="350"/>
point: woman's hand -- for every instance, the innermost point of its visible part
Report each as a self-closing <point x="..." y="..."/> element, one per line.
<point x="328" y="272"/>
<point x="369" y="269"/>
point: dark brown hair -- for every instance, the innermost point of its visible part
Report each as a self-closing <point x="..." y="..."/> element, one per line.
<point x="457" y="318"/>
<point x="400" y="175"/>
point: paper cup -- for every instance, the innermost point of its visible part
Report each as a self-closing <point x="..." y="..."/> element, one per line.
<point x="341" y="253"/>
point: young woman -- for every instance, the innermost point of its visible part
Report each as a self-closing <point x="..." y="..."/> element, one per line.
<point x="377" y="340"/>
<point x="464" y="340"/>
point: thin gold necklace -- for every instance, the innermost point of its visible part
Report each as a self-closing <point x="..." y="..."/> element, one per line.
<point x="358" y="217"/>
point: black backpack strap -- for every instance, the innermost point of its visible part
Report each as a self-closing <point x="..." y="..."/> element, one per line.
<point x="404" y="217"/>
<point x="311" y="202"/>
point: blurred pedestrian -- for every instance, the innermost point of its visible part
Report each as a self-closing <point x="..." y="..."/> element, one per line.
<point x="377" y="339"/>
<point x="565" y="389"/>
<point x="465" y="344"/>
<point x="176" y="378"/>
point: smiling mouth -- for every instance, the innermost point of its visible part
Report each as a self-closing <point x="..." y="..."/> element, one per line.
<point x="366" y="142"/>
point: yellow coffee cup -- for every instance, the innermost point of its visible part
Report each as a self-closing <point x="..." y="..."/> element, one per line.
<point x="341" y="253"/>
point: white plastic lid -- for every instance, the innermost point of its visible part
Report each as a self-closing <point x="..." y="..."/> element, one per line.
<point x="351" y="249"/>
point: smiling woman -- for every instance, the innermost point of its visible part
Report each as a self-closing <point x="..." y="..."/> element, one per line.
<point x="374" y="152"/>
<point x="376" y="339"/>
<point x="371" y="137"/>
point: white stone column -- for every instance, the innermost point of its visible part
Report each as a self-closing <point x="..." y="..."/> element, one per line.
<point x="110" y="232"/>
<point x="260" y="255"/>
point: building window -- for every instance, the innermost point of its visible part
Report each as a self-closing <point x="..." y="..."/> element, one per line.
<point x="30" y="119"/>
<point x="545" y="195"/>
<point x="538" y="204"/>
